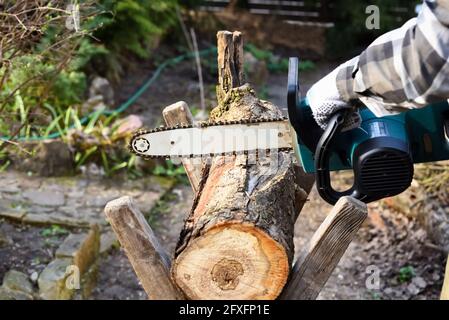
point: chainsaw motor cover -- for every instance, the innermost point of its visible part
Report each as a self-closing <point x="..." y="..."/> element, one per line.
<point x="381" y="152"/>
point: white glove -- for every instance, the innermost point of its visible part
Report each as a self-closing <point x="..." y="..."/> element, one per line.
<point x="325" y="100"/>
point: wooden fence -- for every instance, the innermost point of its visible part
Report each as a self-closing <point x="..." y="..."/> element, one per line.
<point x="319" y="11"/>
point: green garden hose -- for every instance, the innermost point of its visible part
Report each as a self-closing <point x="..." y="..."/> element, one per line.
<point x="131" y="100"/>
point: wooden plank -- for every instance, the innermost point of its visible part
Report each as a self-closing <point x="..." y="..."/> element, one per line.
<point x="322" y="254"/>
<point x="149" y="260"/>
<point x="179" y="114"/>
<point x="445" y="289"/>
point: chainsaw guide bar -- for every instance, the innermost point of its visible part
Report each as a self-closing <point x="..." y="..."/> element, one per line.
<point x="144" y="141"/>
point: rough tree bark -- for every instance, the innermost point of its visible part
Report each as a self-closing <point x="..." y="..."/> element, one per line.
<point x="237" y="242"/>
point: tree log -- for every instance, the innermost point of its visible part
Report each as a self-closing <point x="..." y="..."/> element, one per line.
<point x="178" y="114"/>
<point x="328" y="244"/>
<point x="149" y="260"/>
<point x="237" y="242"/>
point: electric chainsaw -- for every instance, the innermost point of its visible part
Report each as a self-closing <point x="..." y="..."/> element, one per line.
<point x="381" y="152"/>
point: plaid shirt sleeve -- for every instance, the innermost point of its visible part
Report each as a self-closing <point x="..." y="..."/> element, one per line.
<point x="403" y="69"/>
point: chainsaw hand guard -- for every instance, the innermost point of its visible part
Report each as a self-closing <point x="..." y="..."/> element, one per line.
<point x="322" y="157"/>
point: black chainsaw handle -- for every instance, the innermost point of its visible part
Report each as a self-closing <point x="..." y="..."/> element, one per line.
<point x="322" y="157"/>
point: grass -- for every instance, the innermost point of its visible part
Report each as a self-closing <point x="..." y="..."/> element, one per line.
<point x="172" y="171"/>
<point x="433" y="176"/>
<point x="54" y="231"/>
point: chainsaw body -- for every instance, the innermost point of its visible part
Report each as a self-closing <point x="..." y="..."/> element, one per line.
<point x="381" y="152"/>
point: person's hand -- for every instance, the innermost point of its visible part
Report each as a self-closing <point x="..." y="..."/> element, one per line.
<point x="325" y="100"/>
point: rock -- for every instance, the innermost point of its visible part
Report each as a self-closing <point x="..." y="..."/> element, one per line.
<point x="34" y="276"/>
<point x="45" y="198"/>
<point x="9" y="188"/>
<point x="101" y="86"/>
<point x="419" y="282"/>
<point x="127" y="126"/>
<point x="94" y="103"/>
<point x="99" y="200"/>
<point x="413" y="289"/>
<point x="17" y="281"/>
<point x="6" y="294"/>
<point x="74" y="267"/>
<point x="4" y="240"/>
<point x="45" y="219"/>
<point x="54" y="279"/>
<point x="108" y="241"/>
<point x="437" y="223"/>
<point x="40" y="209"/>
<point x="92" y="170"/>
<point x="82" y="248"/>
<point x="388" y="291"/>
<point x="13" y="214"/>
<point x="51" y="158"/>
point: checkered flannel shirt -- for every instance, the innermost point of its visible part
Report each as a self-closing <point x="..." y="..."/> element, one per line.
<point x="403" y="69"/>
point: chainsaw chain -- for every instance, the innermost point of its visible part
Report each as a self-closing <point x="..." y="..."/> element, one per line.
<point x="203" y="124"/>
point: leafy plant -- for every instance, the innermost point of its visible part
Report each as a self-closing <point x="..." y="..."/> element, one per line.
<point x="170" y="170"/>
<point x="135" y="25"/>
<point x="41" y="88"/>
<point x="54" y="231"/>
<point x="406" y="274"/>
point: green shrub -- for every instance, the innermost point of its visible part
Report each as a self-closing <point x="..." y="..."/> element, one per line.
<point x="135" y="25"/>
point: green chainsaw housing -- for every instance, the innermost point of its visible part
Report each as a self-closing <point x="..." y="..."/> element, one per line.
<point x="381" y="152"/>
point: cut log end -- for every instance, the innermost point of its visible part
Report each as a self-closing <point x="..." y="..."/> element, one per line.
<point x="232" y="261"/>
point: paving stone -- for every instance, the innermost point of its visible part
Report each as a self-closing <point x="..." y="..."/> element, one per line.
<point x="9" y="187"/>
<point x="82" y="248"/>
<point x="45" y="197"/>
<point x="40" y="209"/>
<point x="13" y="197"/>
<point x="108" y="241"/>
<point x="17" y="281"/>
<point x="6" y="294"/>
<point x="99" y="201"/>
<point x="74" y="201"/>
<point x="13" y="214"/>
<point x="419" y="282"/>
<point x="28" y="182"/>
<point x="69" y="211"/>
<point x="50" y="219"/>
<point x="52" y="280"/>
<point x="146" y="201"/>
